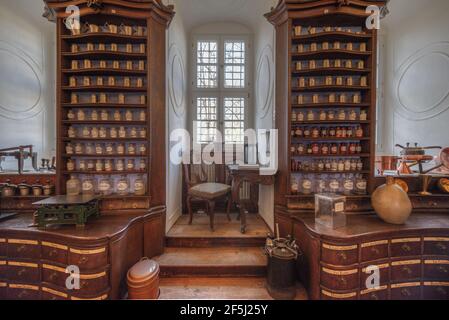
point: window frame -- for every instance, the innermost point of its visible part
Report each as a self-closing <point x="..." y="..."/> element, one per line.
<point x="221" y="92"/>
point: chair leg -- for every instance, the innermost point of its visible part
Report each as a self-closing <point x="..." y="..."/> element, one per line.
<point x="189" y="207"/>
<point x="212" y="214"/>
<point x="228" y="210"/>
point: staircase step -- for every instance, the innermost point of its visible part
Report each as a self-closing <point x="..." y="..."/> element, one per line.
<point x="219" y="261"/>
<point x="207" y="288"/>
<point x="208" y="242"/>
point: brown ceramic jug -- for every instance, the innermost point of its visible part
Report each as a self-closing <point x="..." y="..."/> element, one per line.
<point x="392" y="203"/>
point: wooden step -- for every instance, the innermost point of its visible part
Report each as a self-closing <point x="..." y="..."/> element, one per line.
<point x="207" y="288"/>
<point x="219" y="261"/>
<point x="208" y="242"/>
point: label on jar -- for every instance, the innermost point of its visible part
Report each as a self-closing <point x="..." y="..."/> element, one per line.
<point x="122" y="186"/>
<point x="87" y="186"/>
<point x="349" y="185"/>
<point x="361" y="185"/>
<point x="139" y="186"/>
<point x="104" y="186"/>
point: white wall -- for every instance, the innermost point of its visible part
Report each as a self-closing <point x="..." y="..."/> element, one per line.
<point x="264" y="85"/>
<point x="416" y="79"/>
<point x="27" y="78"/>
<point x="177" y="85"/>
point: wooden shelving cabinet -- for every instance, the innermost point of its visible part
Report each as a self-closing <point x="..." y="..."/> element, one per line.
<point x="326" y="62"/>
<point x="111" y="99"/>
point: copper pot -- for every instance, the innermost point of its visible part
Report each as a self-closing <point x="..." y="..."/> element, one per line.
<point x="9" y="190"/>
<point x="37" y="190"/>
<point x="24" y="190"/>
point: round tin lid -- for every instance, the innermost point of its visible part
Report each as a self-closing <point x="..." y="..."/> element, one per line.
<point x="143" y="271"/>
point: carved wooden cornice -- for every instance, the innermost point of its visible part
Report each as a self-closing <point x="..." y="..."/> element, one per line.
<point x="280" y="13"/>
<point x="140" y="8"/>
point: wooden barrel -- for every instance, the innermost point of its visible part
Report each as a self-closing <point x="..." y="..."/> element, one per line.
<point x="143" y="280"/>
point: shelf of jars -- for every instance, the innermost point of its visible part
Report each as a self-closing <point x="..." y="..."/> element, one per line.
<point x="104" y="119"/>
<point x="330" y="119"/>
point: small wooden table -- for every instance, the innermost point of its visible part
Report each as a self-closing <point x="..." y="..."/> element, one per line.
<point x="238" y="175"/>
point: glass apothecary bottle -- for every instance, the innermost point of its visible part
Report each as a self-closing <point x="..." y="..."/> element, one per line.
<point x="71" y="132"/>
<point x="334" y="184"/>
<point x="131" y="165"/>
<point x="99" y="149"/>
<point x="122" y="132"/>
<point x="113" y="133"/>
<point x="103" y="133"/>
<point x="120" y="165"/>
<point x="117" y="116"/>
<point x="91" y="165"/>
<point x="88" y="187"/>
<point x="363" y="115"/>
<point x="109" y="149"/>
<point x="348" y="185"/>
<point x="82" y="165"/>
<point x="132" y="149"/>
<point x="86" y="132"/>
<point x="69" y="149"/>
<point x="104" y="115"/>
<point x="71" y="115"/>
<point x="105" y="187"/>
<point x="108" y="165"/>
<point x="99" y="166"/>
<point x="143" y="165"/>
<point x="360" y="185"/>
<point x="143" y="133"/>
<point x="123" y="186"/>
<point x="294" y="185"/>
<point x="139" y="186"/>
<point x="142" y="116"/>
<point x="307" y="185"/>
<point x="94" y="115"/>
<point x="143" y="149"/>
<point x="95" y="133"/>
<point x="121" y="149"/>
<point x="71" y="165"/>
<point x="81" y="115"/>
<point x="73" y="186"/>
<point x="320" y="184"/>
<point x="90" y="150"/>
<point x="129" y="115"/>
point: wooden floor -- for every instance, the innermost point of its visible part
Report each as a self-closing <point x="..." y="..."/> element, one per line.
<point x="223" y="228"/>
<point x="218" y="289"/>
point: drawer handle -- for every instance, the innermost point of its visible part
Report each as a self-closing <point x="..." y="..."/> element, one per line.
<point x="441" y="246"/>
<point x="342" y="256"/>
<point x="407" y="270"/>
<point x="22" y="294"/>
<point x="21" y="272"/>
<point x="84" y="260"/>
<point x="343" y="281"/>
<point x="53" y="253"/>
<point x="53" y="276"/>
<point x="21" y="249"/>
<point x="406" y="248"/>
<point x="406" y="293"/>
<point x="84" y="284"/>
<point x="376" y="251"/>
<point x="374" y="297"/>
<point x="442" y="269"/>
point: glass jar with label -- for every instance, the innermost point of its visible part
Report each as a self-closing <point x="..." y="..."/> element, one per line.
<point x="343" y="98"/>
<point x="113" y="133"/>
<point x="82" y="165"/>
<point x="104" y="115"/>
<point x="323" y="115"/>
<point x="71" y="165"/>
<point x="342" y="115"/>
<point x="360" y="185"/>
<point x="139" y="186"/>
<point x="363" y="82"/>
<point x="117" y="116"/>
<point x="306" y="185"/>
<point x="72" y="82"/>
<point x="91" y="165"/>
<point x="122" y="132"/>
<point x="359" y="132"/>
<point x="123" y="186"/>
<point x="294" y="185"/>
<point x="105" y="187"/>
<point x="132" y="149"/>
<point x="334" y="165"/>
<point x="120" y="165"/>
<point x="361" y="64"/>
<point x="90" y="150"/>
<point x="325" y="149"/>
<point x="320" y="184"/>
<point x="93" y="99"/>
<point x="363" y="115"/>
<point x="131" y="165"/>
<point x="121" y="149"/>
<point x="94" y="115"/>
<point x="129" y="115"/>
<point x="315" y="99"/>
<point x="142" y="133"/>
<point x="71" y="115"/>
<point x="108" y="165"/>
<point x="312" y="82"/>
<point x="341" y="165"/>
<point x="100" y="81"/>
<point x="99" y="149"/>
<point x="143" y="165"/>
<point x="99" y="166"/>
<point x="142" y="116"/>
<point x="339" y="81"/>
<point x="86" y="132"/>
<point x="94" y="133"/>
<point x="337" y="63"/>
<point x="71" y="132"/>
<point x="327" y="165"/>
<point x="348" y="185"/>
<point x="347" y="166"/>
<point x="353" y="165"/>
<point x="359" y="165"/>
<point x="324" y="132"/>
<point x="143" y="149"/>
<point x="356" y="98"/>
<point x="73" y="186"/>
<point x="334" y="184"/>
<point x="310" y="116"/>
<point x="88" y="186"/>
<point x="69" y="149"/>
<point x="334" y="148"/>
<point x="103" y="133"/>
<point x="109" y="149"/>
<point x="111" y="81"/>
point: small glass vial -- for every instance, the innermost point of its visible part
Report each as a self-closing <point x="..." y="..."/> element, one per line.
<point x="94" y="115"/>
<point x="72" y="82"/>
<point x="363" y="115"/>
<point x="98" y="149"/>
<point x="108" y="166"/>
<point x="74" y="98"/>
<point x="73" y="186"/>
<point x="88" y="186"/>
<point x="102" y="133"/>
<point x="90" y="150"/>
<point x="109" y="149"/>
<point x="131" y="165"/>
<point x="142" y="116"/>
<point x="104" y="115"/>
<point x="143" y="149"/>
<point x="142" y="133"/>
<point x="117" y="116"/>
<point x="81" y="115"/>
<point x="132" y="149"/>
<point x="99" y="166"/>
<point x="86" y="132"/>
<point x="94" y="133"/>
<point x="120" y="149"/>
<point x="82" y="165"/>
<point x="123" y="186"/>
<point x="142" y="165"/>
<point x="129" y="115"/>
<point x="113" y="133"/>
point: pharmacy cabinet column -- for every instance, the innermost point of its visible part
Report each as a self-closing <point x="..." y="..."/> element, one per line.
<point x="326" y="102"/>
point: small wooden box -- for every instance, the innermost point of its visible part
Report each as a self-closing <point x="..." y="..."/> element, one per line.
<point x="330" y="210"/>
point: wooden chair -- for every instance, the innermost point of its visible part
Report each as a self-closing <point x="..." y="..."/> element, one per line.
<point x="199" y="190"/>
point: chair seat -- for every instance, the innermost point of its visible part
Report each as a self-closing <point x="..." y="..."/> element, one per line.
<point x="210" y="191"/>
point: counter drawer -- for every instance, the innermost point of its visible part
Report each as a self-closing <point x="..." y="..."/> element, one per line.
<point x="55" y="252"/>
<point x="88" y="259"/>
<point x="436" y="246"/>
<point x="373" y="251"/>
<point x="340" y="280"/>
<point x="407" y="247"/>
<point x="375" y="294"/>
<point x="329" y="295"/>
<point x="384" y="273"/>
<point x="3" y="290"/>
<point x="23" y="292"/>
<point x="3" y="268"/>
<point x="2" y="247"/>
<point x="436" y="290"/>
<point x="23" y="271"/>
<point x="406" y="291"/>
<point x="52" y="294"/>
<point x="339" y="255"/>
<point x="89" y="283"/>
<point x="23" y="249"/>
<point x="436" y="270"/>
<point x="405" y="270"/>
